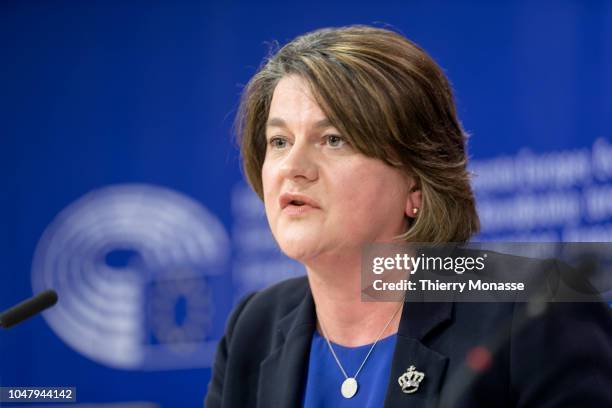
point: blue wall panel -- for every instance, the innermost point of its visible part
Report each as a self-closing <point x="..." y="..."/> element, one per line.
<point x="121" y="184"/>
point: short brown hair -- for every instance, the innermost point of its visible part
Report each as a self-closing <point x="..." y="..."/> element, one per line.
<point x="391" y="101"/>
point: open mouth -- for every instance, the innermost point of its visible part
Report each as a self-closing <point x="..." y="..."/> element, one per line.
<point x="298" y="203"/>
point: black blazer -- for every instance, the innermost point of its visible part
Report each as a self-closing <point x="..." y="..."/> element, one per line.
<point x="562" y="357"/>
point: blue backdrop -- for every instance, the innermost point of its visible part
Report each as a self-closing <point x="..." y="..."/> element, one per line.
<point x="121" y="185"/>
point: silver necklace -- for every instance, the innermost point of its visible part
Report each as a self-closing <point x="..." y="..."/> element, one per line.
<point x="349" y="385"/>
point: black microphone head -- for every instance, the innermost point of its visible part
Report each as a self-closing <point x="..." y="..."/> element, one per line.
<point x="28" y="308"/>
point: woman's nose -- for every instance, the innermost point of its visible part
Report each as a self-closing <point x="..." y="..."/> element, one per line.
<point x="300" y="163"/>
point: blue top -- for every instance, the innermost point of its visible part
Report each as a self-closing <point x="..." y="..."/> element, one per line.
<point x="325" y="379"/>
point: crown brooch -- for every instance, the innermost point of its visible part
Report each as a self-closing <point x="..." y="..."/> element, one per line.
<point x="410" y="380"/>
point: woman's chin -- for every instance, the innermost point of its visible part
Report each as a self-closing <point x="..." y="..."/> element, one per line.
<point x="300" y="250"/>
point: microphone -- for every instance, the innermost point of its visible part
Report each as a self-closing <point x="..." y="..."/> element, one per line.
<point x="28" y="308"/>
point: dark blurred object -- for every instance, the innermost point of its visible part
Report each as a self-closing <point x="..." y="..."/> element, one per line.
<point x="28" y="308"/>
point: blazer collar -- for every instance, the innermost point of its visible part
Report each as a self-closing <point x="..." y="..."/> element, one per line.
<point x="283" y="373"/>
<point x="302" y="315"/>
<point x="419" y="320"/>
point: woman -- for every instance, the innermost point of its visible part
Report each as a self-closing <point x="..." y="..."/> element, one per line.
<point x="350" y="136"/>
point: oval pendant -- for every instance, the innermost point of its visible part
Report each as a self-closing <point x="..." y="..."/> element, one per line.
<point x="349" y="387"/>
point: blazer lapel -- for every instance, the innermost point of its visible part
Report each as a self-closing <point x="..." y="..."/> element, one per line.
<point x="283" y="372"/>
<point x="417" y="321"/>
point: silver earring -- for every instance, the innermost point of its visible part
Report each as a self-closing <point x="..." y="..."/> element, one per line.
<point x="415" y="211"/>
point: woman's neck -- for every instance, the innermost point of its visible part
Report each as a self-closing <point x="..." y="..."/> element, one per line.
<point x="345" y="318"/>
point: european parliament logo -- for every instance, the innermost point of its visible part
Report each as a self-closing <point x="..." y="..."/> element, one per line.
<point x="134" y="266"/>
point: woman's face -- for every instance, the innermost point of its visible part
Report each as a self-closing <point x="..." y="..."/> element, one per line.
<point x="322" y="197"/>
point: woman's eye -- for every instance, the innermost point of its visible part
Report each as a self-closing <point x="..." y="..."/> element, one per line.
<point x="277" y="143"/>
<point x="335" y="141"/>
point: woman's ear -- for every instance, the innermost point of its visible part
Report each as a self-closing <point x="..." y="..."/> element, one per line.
<point x="414" y="199"/>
